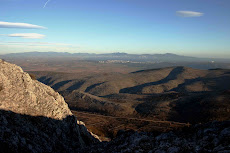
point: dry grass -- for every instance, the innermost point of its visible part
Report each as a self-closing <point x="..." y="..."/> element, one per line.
<point x="108" y="126"/>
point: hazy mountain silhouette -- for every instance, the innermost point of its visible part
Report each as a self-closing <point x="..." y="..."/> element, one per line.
<point x="168" y="57"/>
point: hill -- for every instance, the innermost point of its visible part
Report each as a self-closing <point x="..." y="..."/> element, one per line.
<point x="160" y="94"/>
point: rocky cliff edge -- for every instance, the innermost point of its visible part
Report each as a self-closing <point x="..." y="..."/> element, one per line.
<point x="35" y="118"/>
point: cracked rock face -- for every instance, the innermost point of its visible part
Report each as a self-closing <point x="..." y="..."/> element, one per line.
<point x="35" y="118"/>
<point x="21" y="94"/>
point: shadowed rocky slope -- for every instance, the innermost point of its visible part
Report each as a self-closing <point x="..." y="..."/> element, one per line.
<point x="35" y="118"/>
<point x="203" y="138"/>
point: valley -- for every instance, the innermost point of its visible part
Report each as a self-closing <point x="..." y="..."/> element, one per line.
<point x="107" y="127"/>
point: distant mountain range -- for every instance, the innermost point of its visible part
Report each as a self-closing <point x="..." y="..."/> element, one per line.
<point x="168" y="57"/>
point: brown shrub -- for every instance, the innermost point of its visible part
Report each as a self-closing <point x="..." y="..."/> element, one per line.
<point x="1" y="87"/>
<point x="33" y="77"/>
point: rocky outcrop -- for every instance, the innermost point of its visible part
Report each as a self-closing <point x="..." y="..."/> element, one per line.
<point x="35" y="118"/>
<point x="201" y="138"/>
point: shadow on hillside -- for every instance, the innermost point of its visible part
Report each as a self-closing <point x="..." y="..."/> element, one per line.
<point x="203" y="107"/>
<point x="60" y="84"/>
<point x="187" y="82"/>
<point x="219" y="83"/>
<point x="46" y="80"/>
<point x="209" y="84"/>
<point x="196" y="107"/>
<point x="93" y="86"/>
<point x="148" y="70"/>
<point x="75" y="86"/>
<point x="138" y="89"/>
<point x="24" y="133"/>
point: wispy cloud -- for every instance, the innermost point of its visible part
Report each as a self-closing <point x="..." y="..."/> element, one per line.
<point x="25" y="35"/>
<point x="12" y="47"/>
<point x="189" y="14"/>
<point x="35" y="43"/>
<point x="20" y="25"/>
<point x="46" y="3"/>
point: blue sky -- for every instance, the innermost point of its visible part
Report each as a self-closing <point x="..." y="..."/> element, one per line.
<point x="198" y="28"/>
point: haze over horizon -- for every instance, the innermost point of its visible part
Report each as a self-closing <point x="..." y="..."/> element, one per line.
<point x="192" y="28"/>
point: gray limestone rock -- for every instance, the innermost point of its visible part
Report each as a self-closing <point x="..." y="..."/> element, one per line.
<point x="35" y="118"/>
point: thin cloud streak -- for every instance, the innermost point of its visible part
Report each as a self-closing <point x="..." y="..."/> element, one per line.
<point x="25" y="35"/>
<point x="46" y="3"/>
<point x="20" y="25"/>
<point x="35" y="43"/>
<point x="13" y="47"/>
<point x="189" y="14"/>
